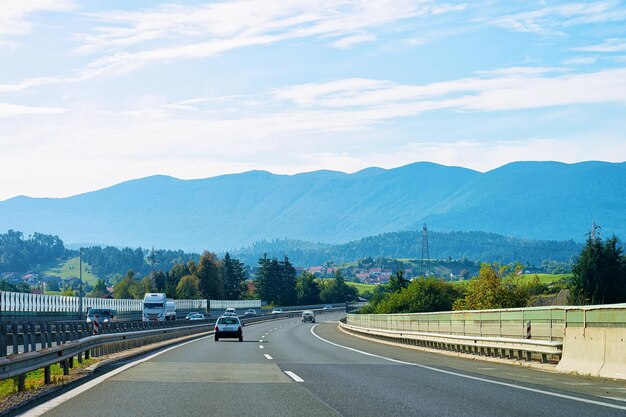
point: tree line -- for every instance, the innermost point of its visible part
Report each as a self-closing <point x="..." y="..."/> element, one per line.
<point x="598" y="277"/>
<point x="276" y="283"/>
<point x="486" y="247"/>
<point x="20" y="254"/>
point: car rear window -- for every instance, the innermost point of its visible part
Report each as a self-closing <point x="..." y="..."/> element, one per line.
<point x="228" y="320"/>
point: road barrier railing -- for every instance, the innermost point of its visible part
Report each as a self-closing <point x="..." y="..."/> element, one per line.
<point x="46" y="344"/>
<point x="96" y="345"/>
<point x="510" y="348"/>
<point x="584" y="339"/>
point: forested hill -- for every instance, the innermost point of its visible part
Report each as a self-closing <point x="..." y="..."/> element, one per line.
<point x="476" y="246"/>
<point x="530" y="200"/>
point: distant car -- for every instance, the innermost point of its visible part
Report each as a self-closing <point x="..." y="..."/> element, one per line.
<point x="188" y="316"/>
<point x="230" y="311"/>
<point x="308" y="315"/>
<point x="228" y="327"/>
<point x="277" y="311"/>
<point x="197" y="316"/>
<point x="250" y="313"/>
<point x="104" y="315"/>
<point x="327" y="308"/>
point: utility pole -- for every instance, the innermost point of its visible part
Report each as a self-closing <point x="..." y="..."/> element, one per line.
<point x="425" y="255"/>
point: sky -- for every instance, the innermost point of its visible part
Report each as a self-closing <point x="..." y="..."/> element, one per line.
<point x="93" y="93"/>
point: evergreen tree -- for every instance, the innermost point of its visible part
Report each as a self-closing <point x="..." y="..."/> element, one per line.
<point x="599" y="273"/>
<point x="100" y="290"/>
<point x="233" y="277"/>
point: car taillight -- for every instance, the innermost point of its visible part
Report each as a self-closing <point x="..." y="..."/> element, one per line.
<point x="239" y="328"/>
<point x="216" y="328"/>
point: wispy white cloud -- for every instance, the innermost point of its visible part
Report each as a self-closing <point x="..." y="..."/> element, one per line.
<point x="581" y="60"/>
<point x="551" y="20"/>
<point x="502" y="90"/>
<point x="16" y="15"/>
<point x="169" y="32"/>
<point x="350" y="41"/>
<point x="12" y="110"/>
<point x="609" y="45"/>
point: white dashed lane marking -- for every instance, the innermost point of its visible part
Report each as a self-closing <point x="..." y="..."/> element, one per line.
<point x="294" y="376"/>
<point x="268" y="356"/>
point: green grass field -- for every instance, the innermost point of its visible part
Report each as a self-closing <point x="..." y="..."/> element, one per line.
<point x="543" y="278"/>
<point x="362" y="288"/>
<point x="69" y="268"/>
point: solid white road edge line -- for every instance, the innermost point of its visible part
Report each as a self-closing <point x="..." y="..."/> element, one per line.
<point x="490" y="381"/>
<point x="268" y="356"/>
<point x="294" y="376"/>
<point x="49" y="405"/>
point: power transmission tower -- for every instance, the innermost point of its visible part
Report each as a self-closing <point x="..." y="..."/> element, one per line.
<point x="424" y="248"/>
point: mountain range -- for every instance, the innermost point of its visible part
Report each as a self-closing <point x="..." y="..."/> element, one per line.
<point x="529" y="200"/>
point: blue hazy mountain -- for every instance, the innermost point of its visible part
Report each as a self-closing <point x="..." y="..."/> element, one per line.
<point x="532" y="200"/>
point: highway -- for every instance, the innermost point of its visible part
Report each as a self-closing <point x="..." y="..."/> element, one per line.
<point x="289" y="368"/>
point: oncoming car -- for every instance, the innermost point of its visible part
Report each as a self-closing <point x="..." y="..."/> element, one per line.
<point x="308" y="315"/>
<point x="196" y="317"/>
<point x="104" y="315"/>
<point x="277" y="311"/>
<point x="230" y="312"/>
<point x="228" y="327"/>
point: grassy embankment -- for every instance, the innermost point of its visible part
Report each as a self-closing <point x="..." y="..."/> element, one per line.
<point x="34" y="379"/>
<point x="70" y="268"/>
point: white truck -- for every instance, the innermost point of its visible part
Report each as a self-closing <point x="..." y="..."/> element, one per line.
<point x="156" y="307"/>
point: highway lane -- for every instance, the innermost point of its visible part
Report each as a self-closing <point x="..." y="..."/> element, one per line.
<point x="230" y="378"/>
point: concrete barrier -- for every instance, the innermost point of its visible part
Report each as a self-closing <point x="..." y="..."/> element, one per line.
<point x="583" y="350"/>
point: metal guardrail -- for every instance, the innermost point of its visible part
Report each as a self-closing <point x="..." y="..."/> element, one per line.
<point x="519" y="332"/>
<point x="522" y="349"/>
<point x="75" y="341"/>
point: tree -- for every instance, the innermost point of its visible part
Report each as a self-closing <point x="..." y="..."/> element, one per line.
<point x="146" y="285"/>
<point x="337" y="291"/>
<point x="53" y="286"/>
<point x="100" y="289"/>
<point x="397" y="282"/>
<point x="233" y="276"/>
<point x="188" y="288"/>
<point x="421" y="295"/>
<point x="276" y="281"/>
<point x="126" y="287"/>
<point x="174" y="276"/>
<point x="490" y="290"/>
<point x="159" y="280"/>
<point x="307" y="289"/>
<point x="208" y="272"/>
<point x="599" y="273"/>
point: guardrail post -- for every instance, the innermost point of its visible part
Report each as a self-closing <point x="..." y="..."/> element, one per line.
<point x="87" y="354"/>
<point x="46" y="375"/>
<point x="21" y="383"/>
<point x="3" y="339"/>
<point x="57" y="332"/>
<point x="33" y="340"/>
<point x="66" y="367"/>
<point x="25" y="337"/>
<point x="80" y="357"/>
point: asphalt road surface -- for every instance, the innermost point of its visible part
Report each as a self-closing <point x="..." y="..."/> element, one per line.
<point x="289" y="368"/>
